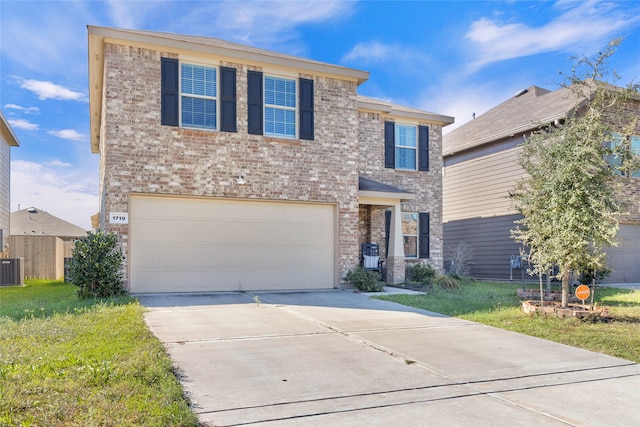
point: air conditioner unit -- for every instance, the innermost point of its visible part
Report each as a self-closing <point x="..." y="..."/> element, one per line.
<point x="11" y="271"/>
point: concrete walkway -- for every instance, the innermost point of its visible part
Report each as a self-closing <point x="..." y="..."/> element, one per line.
<point x="337" y="358"/>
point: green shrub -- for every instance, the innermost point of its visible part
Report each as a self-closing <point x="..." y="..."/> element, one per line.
<point x="599" y="275"/>
<point x="96" y="266"/>
<point x="421" y="273"/>
<point x="446" y="282"/>
<point x="364" y="280"/>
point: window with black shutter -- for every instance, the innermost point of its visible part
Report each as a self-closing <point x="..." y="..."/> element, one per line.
<point x="169" y="92"/>
<point x="254" y="89"/>
<point x="423" y="235"/>
<point x="228" y="99"/>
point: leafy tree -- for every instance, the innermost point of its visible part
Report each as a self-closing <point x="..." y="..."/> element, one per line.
<point x="96" y="266"/>
<point x="569" y="198"/>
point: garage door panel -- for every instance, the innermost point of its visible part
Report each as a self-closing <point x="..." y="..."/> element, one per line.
<point x="195" y="245"/>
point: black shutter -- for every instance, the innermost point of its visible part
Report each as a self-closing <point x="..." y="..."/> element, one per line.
<point x="423" y="148"/>
<point x="423" y="236"/>
<point x="306" y="109"/>
<point x="387" y="230"/>
<point x="228" y="99"/>
<point x="389" y="145"/>
<point x="254" y="89"/>
<point x="169" y="92"/>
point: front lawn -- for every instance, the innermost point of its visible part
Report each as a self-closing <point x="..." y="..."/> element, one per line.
<point x="496" y="304"/>
<point x="70" y="362"/>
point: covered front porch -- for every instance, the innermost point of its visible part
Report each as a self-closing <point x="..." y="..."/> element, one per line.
<point x="380" y="222"/>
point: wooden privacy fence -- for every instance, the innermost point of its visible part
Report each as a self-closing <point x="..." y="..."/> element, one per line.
<point x="43" y="255"/>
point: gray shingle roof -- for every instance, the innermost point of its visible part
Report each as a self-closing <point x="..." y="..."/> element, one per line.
<point x="35" y="222"/>
<point x="525" y="111"/>
<point x="365" y="184"/>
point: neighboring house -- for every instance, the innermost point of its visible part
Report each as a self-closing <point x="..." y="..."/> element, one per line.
<point x="224" y="167"/>
<point x="43" y="241"/>
<point x="481" y="167"/>
<point x="9" y="139"/>
<point x="36" y="222"/>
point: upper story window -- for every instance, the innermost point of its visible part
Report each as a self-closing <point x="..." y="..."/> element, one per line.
<point x="616" y="157"/>
<point x="279" y="107"/>
<point x="406" y="147"/>
<point x="198" y="96"/>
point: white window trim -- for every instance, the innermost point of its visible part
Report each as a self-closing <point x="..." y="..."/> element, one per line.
<point x="406" y="147"/>
<point x="295" y="109"/>
<point x="417" y="255"/>
<point x="216" y="98"/>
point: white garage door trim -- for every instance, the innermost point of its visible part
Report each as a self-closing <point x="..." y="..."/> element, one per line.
<point x="193" y="244"/>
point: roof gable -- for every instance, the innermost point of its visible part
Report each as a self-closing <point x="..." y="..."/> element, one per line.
<point x="36" y="222"/>
<point x="524" y="112"/>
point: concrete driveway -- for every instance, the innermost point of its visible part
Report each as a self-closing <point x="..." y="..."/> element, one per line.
<point x="339" y="358"/>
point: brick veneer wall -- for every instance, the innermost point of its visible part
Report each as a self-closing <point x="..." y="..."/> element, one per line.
<point x="138" y="155"/>
<point x="426" y="185"/>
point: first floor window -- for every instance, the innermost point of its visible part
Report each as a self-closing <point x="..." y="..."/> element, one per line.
<point x="406" y="146"/>
<point x="279" y="107"/>
<point x="198" y="95"/>
<point x="410" y="234"/>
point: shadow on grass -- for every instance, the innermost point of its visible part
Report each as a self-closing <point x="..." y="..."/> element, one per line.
<point x="46" y="298"/>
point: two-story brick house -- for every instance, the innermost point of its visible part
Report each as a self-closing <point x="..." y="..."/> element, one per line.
<point x="224" y="167"/>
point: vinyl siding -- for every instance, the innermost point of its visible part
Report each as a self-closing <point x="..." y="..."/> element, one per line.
<point x="491" y="243"/>
<point x="479" y="186"/>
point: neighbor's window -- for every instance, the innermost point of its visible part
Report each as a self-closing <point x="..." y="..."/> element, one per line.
<point x="198" y="96"/>
<point x="410" y="234"/>
<point x="279" y="107"/>
<point x="616" y="161"/>
<point x="406" y="147"/>
<point x="635" y="149"/>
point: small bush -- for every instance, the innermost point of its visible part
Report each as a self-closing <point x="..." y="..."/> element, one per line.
<point x="420" y="273"/>
<point x="588" y="277"/>
<point x="364" y="280"/>
<point x="446" y="282"/>
<point x="96" y="266"/>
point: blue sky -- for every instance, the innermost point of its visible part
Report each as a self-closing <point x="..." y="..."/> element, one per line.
<point x="449" y="57"/>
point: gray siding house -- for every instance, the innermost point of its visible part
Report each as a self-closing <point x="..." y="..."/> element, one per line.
<point x="481" y="166"/>
<point x="225" y="167"/>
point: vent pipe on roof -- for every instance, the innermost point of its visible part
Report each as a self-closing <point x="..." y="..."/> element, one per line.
<point x="520" y="93"/>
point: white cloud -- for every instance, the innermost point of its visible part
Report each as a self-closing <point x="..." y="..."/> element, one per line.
<point x="376" y="52"/>
<point x="578" y="28"/>
<point x="27" y="110"/>
<point x="69" y="196"/>
<point x="59" y="163"/>
<point x="49" y="90"/>
<point x="70" y="134"/>
<point x="23" y="124"/>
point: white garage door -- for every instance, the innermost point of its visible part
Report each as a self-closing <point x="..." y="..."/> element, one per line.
<point x="625" y="258"/>
<point x="200" y="245"/>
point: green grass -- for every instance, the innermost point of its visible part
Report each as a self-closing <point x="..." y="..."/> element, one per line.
<point x="496" y="304"/>
<point x="68" y="362"/>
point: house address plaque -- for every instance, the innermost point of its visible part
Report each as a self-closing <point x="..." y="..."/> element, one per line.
<point x="119" y="218"/>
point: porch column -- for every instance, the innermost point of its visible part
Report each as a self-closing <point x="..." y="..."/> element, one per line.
<point x="395" y="256"/>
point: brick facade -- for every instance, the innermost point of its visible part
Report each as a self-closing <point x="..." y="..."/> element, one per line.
<point x="138" y="155"/>
<point x="426" y="185"/>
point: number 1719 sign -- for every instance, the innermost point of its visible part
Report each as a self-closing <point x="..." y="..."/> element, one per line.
<point x="119" y="218"/>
